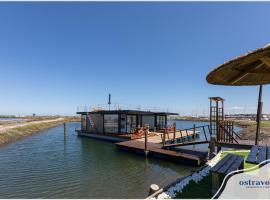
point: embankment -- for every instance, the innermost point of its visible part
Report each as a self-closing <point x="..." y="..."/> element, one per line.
<point x="17" y="131"/>
<point x="249" y="130"/>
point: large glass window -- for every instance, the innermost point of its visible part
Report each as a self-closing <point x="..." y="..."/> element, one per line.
<point x="111" y="123"/>
<point x="131" y="123"/>
<point x="160" y="121"/>
<point x="83" y="122"/>
<point x="150" y="120"/>
<point x="123" y="123"/>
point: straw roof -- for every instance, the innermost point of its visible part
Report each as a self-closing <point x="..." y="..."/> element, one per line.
<point x="252" y="68"/>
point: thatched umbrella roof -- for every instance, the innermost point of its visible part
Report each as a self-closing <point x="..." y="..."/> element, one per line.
<point x="252" y="68"/>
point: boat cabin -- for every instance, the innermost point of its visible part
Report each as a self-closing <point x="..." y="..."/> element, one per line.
<point x="121" y="121"/>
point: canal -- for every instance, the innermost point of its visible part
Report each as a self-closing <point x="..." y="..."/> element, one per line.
<point x="49" y="165"/>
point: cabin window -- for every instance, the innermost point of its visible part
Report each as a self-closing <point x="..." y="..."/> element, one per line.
<point x="123" y="123"/>
<point x="111" y="123"/>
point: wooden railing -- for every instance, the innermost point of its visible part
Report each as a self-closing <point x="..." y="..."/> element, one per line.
<point x="184" y="136"/>
<point x="226" y="132"/>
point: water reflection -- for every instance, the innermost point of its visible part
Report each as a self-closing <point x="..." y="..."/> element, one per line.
<point x="49" y="165"/>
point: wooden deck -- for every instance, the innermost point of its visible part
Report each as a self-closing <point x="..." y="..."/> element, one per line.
<point x="156" y="137"/>
<point x="156" y="150"/>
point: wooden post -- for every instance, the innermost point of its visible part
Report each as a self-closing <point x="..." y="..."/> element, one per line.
<point x="217" y="122"/>
<point x="153" y="188"/>
<point x="164" y="135"/>
<point x="194" y="130"/>
<point x="65" y="129"/>
<point x="146" y="128"/>
<point x="174" y="131"/>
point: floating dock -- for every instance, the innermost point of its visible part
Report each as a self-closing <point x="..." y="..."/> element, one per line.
<point x="156" y="150"/>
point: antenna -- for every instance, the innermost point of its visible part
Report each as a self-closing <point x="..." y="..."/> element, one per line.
<point x="109" y="101"/>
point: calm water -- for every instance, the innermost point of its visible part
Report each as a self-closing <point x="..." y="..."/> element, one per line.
<point x="46" y="165"/>
<point x="190" y="124"/>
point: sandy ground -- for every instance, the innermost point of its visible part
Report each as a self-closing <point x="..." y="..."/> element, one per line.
<point x="250" y="133"/>
<point x="11" y="126"/>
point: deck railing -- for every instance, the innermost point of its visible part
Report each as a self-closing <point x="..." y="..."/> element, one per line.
<point x="117" y="106"/>
<point x="186" y="136"/>
<point x="226" y="132"/>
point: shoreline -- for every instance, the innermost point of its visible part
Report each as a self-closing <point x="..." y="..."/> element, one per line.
<point x="16" y="132"/>
<point x="248" y="130"/>
<point x="190" y="119"/>
<point x="248" y="127"/>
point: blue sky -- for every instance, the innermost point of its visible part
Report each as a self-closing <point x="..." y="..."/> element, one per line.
<point x="57" y="56"/>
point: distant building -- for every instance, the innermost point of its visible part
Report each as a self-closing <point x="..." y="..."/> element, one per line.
<point x="265" y="117"/>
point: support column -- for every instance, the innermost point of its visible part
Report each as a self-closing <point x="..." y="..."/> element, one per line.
<point x="259" y="114"/>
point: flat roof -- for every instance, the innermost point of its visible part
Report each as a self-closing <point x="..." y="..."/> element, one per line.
<point x="128" y="112"/>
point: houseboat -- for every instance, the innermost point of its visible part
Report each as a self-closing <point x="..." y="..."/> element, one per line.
<point x="119" y="125"/>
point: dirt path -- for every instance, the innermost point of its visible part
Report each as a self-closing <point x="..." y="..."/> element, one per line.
<point x="11" y="126"/>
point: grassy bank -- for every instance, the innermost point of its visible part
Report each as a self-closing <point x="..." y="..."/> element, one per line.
<point x="202" y="189"/>
<point x="16" y="133"/>
<point x="187" y="118"/>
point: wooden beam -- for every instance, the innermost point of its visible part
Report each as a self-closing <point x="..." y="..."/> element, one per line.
<point x="184" y="144"/>
<point x="243" y="73"/>
<point x="266" y="61"/>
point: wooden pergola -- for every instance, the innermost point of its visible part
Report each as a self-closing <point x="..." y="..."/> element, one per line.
<point x="249" y="69"/>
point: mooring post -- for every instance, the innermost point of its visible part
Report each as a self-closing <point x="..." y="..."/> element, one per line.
<point x="174" y="131"/>
<point x="65" y="129"/>
<point x="153" y="188"/>
<point x="164" y="135"/>
<point x="146" y="129"/>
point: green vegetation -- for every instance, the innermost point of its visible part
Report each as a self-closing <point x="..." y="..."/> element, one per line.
<point x="202" y="189"/>
<point x="19" y="132"/>
<point x="7" y="116"/>
<point x="242" y="153"/>
<point x="251" y="123"/>
<point x="188" y="118"/>
<point x="15" y="133"/>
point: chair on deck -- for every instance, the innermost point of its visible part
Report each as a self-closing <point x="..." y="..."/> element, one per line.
<point x="258" y="154"/>
<point x="228" y="164"/>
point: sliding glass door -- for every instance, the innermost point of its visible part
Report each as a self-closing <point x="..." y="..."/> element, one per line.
<point x="131" y="123"/>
